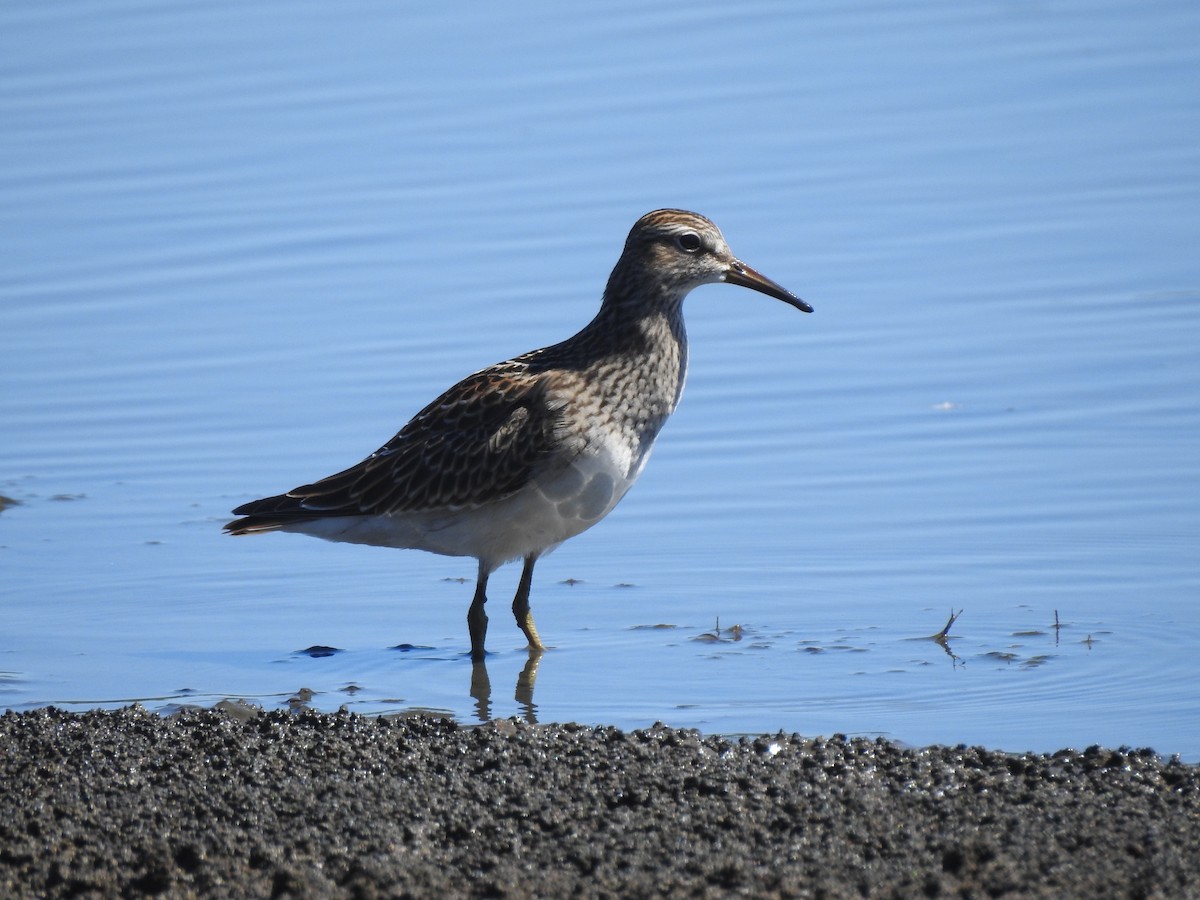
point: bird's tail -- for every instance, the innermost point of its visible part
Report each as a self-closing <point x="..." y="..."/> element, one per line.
<point x="268" y="514"/>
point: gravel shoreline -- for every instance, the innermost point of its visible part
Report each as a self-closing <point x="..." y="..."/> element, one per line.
<point x="204" y="803"/>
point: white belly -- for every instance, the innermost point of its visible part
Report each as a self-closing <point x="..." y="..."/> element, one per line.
<point x="556" y="505"/>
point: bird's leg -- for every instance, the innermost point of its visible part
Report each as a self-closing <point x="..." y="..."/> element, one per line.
<point x="476" y="618"/>
<point x="521" y="607"/>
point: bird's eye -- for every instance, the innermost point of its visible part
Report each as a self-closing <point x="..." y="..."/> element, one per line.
<point x="689" y="241"/>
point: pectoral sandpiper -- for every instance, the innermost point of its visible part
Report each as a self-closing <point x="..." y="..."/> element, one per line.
<point x="520" y="456"/>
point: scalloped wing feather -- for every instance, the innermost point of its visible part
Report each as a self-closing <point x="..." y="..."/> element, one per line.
<point x="480" y="441"/>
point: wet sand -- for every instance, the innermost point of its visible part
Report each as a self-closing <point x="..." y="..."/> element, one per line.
<point x="205" y="803"/>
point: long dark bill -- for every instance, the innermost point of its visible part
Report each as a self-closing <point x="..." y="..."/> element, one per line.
<point x="741" y="274"/>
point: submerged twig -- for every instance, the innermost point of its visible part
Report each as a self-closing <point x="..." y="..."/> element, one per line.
<point x="940" y="638"/>
<point x="734" y="632"/>
<point x="941" y="635"/>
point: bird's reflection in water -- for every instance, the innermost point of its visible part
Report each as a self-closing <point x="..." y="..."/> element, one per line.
<point x="481" y="689"/>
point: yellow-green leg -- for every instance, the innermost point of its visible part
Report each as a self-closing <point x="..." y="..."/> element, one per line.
<point x="521" y="608"/>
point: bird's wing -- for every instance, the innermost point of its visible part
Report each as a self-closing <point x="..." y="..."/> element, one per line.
<point x="479" y="441"/>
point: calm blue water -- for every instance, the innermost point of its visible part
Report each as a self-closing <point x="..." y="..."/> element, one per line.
<point x="241" y="245"/>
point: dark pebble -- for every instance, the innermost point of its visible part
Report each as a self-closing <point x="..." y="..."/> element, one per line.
<point x="337" y="805"/>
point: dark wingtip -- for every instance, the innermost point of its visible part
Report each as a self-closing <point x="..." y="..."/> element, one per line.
<point x="265" y="514"/>
<point x="249" y="525"/>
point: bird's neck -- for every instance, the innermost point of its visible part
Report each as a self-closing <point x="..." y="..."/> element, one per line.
<point x="643" y="337"/>
<point x="639" y="315"/>
<point x="647" y="339"/>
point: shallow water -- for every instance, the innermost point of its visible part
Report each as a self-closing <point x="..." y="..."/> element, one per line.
<point x="243" y="245"/>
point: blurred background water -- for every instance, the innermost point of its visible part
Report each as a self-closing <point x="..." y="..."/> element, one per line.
<point x="242" y="244"/>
